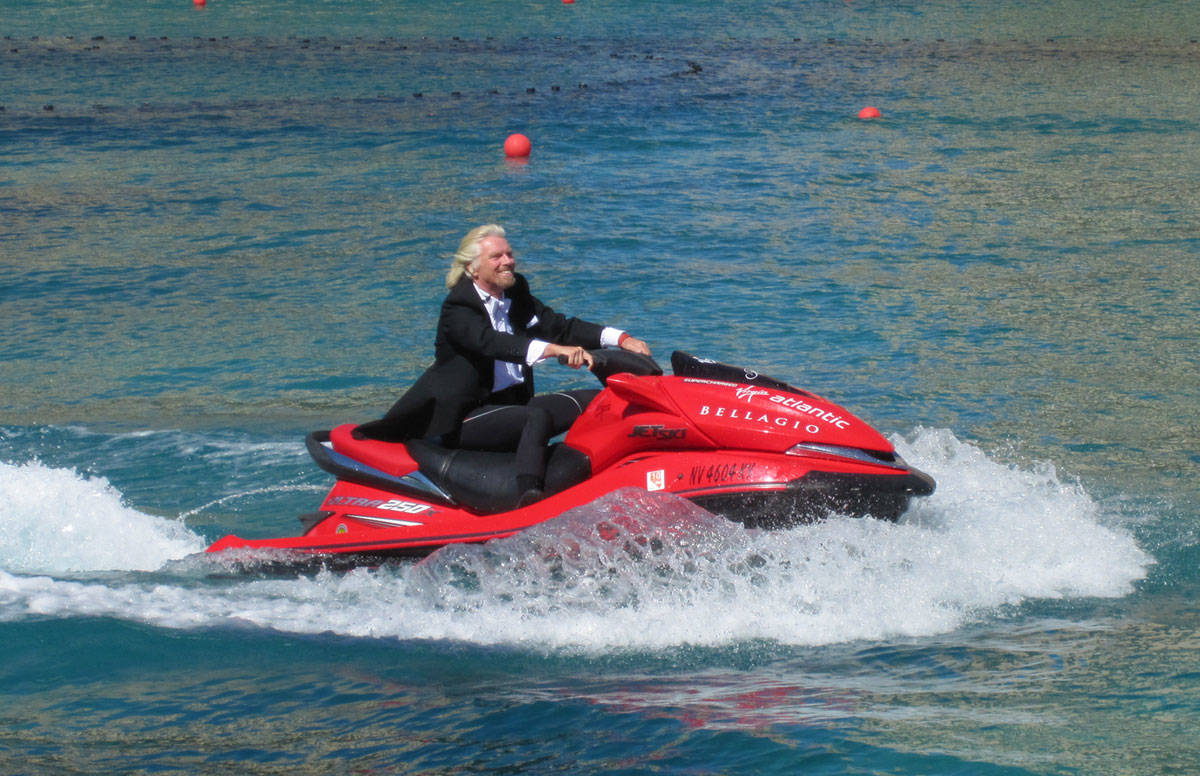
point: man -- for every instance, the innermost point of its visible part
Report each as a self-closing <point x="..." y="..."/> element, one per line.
<point x="478" y="393"/>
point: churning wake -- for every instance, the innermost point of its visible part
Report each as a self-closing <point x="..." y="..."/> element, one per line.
<point x="631" y="570"/>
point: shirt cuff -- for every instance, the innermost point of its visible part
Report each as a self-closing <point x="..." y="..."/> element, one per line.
<point x="536" y="351"/>
<point x="610" y="337"/>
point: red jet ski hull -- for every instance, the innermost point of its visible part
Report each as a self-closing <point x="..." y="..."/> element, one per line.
<point x="758" y="452"/>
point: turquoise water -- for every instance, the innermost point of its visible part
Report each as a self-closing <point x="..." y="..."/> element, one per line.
<point x="222" y="228"/>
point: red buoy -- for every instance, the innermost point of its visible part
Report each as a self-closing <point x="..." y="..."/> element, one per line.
<point x="517" y="145"/>
<point x="199" y="3"/>
<point x="869" y="112"/>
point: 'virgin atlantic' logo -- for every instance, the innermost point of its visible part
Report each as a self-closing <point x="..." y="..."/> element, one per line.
<point x="746" y="392"/>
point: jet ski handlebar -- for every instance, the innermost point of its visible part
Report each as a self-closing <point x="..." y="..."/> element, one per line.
<point x="611" y="361"/>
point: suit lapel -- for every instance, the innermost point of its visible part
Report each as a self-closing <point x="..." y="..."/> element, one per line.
<point x="519" y="314"/>
<point x="465" y="292"/>
<point x="521" y="311"/>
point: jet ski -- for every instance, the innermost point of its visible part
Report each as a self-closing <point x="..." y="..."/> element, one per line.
<point x="737" y="443"/>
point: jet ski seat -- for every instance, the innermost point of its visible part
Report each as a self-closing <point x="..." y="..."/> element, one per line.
<point x="485" y="481"/>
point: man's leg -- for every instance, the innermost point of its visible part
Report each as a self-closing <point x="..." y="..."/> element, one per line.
<point x="564" y="407"/>
<point x="524" y="428"/>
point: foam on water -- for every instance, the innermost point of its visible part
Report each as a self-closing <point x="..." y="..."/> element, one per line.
<point x="638" y="570"/>
<point x="55" y="521"/>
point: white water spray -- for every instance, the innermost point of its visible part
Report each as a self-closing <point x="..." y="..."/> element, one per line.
<point x="54" y="521"/>
<point x="633" y="570"/>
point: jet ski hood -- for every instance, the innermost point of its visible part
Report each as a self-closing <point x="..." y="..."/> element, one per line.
<point x="767" y="419"/>
<point x="730" y="405"/>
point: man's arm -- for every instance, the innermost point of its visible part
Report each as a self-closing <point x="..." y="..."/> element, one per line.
<point x="563" y="333"/>
<point x="559" y="329"/>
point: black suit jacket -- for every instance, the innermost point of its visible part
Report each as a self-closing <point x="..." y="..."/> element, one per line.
<point x="465" y="351"/>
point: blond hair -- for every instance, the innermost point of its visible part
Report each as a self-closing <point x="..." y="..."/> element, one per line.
<point x="468" y="252"/>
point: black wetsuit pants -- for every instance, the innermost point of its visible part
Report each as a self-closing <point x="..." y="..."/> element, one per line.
<point x="525" y="428"/>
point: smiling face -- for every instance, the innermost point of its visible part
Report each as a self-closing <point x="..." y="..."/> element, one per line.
<point x="493" y="270"/>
